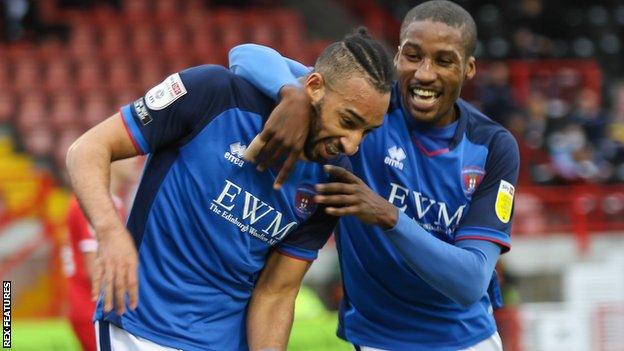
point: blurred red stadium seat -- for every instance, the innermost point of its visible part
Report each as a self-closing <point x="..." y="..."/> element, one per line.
<point x="65" y="111"/>
<point x="113" y="41"/>
<point x="32" y="110"/>
<point x="96" y="108"/>
<point x="120" y="74"/>
<point x="39" y="140"/>
<point x="58" y="74"/>
<point x="167" y="10"/>
<point x="89" y="75"/>
<point x="135" y="10"/>
<point x="28" y="73"/>
<point x="230" y="32"/>
<point x="173" y="40"/>
<point x="151" y="71"/>
<point x="82" y="41"/>
<point x="143" y="40"/>
<point x="7" y="106"/>
<point x="260" y="28"/>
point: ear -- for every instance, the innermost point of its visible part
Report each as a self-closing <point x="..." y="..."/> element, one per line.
<point x="471" y="68"/>
<point x="315" y="86"/>
<point x="396" y="56"/>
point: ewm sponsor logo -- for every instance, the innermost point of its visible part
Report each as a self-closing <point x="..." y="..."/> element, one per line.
<point x="400" y="195"/>
<point x="250" y="214"/>
<point x="395" y="157"/>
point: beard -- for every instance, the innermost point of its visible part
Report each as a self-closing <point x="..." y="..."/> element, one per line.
<point x="315" y="127"/>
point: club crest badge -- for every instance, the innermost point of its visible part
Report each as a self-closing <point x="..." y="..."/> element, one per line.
<point x="304" y="201"/>
<point x="471" y="178"/>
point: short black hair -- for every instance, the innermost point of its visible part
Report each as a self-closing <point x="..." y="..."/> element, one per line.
<point x="358" y="52"/>
<point x="446" y="12"/>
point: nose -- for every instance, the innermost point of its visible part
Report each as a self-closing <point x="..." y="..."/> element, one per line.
<point x="351" y="143"/>
<point x="425" y="73"/>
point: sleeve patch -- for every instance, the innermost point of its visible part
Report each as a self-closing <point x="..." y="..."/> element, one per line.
<point x="142" y="112"/>
<point x="504" y="201"/>
<point x="165" y="93"/>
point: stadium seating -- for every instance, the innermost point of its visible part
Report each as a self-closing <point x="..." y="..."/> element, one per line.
<point x="110" y="58"/>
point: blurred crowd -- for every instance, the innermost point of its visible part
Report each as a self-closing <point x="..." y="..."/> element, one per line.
<point x="568" y="130"/>
<point x="563" y="136"/>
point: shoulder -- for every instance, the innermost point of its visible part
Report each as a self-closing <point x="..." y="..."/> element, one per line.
<point x="482" y="130"/>
<point x="214" y="80"/>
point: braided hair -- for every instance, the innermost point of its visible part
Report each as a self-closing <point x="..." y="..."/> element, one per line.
<point x="358" y="53"/>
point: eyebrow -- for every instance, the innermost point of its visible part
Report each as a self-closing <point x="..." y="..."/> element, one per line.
<point x="360" y="119"/>
<point x="441" y="52"/>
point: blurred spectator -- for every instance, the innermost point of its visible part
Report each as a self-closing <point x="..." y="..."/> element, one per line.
<point x="534" y="25"/>
<point x="496" y="95"/>
<point x="14" y="12"/>
<point x="573" y="156"/>
<point x="588" y="113"/>
<point x="22" y="19"/>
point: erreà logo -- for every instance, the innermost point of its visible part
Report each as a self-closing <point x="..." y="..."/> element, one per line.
<point x="395" y="158"/>
<point x="236" y="153"/>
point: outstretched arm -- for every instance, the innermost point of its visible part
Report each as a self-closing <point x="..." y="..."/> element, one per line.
<point x="285" y="131"/>
<point x="271" y="309"/>
<point x="266" y="68"/>
<point x="429" y="257"/>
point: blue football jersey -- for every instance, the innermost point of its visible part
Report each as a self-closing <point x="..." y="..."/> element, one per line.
<point x="204" y="219"/>
<point x="457" y="182"/>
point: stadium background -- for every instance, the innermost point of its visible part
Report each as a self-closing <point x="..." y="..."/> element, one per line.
<point x="550" y="71"/>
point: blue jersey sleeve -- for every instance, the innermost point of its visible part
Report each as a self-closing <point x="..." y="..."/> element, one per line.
<point x="472" y="261"/>
<point x="265" y="68"/>
<point x="491" y="210"/>
<point x="312" y="235"/>
<point x="173" y="110"/>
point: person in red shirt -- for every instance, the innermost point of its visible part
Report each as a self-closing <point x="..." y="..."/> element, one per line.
<point x="79" y="254"/>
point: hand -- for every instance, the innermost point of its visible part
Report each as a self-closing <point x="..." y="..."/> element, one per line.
<point x="284" y="133"/>
<point x="350" y="196"/>
<point x="115" y="271"/>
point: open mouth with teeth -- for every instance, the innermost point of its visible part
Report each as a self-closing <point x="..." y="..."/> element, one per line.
<point x="424" y="99"/>
<point x="331" y="150"/>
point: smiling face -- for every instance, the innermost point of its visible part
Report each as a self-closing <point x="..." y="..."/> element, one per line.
<point x="431" y="67"/>
<point x="343" y="114"/>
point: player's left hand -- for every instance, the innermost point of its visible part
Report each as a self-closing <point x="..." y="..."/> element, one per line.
<point x="349" y="195"/>
<point x="284" y="134"/>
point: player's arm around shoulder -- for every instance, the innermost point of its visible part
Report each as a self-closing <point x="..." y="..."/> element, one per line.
<point x="271" y="309"/>
<point x="88" y="164"/>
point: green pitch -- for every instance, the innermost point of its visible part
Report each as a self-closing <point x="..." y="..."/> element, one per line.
<point x="314" y="329"/>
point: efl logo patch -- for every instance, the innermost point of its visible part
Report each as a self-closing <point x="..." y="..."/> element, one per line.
<point x="471" y="178"/>
<point x="304" y="201"/>
<point x="165" y="93"/>
<point x="142" y="112"/>
<point x="504" y="201"/>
